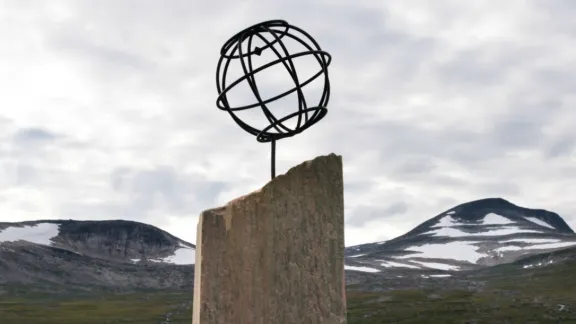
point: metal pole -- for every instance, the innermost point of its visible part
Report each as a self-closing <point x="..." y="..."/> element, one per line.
<point x="273" y="159"/>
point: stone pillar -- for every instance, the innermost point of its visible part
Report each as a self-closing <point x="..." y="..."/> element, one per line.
<point x="275" y="255"/>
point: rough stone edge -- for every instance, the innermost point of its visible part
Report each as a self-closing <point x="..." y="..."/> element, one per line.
<point x="222" y="209"/>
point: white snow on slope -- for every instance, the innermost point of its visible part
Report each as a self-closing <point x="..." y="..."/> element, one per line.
<point x="439" y="266"/>
<point x="509" y="248"/>
<point x="552" y="245"/>
<point x="461" y="251"/>
<point x="537" y="246"/>
<point x="40" y="234"/>
<point x="362" y="269"/>
<point x="182" y="256"/>
<point x="357" y="255"/>
<point x="447" y="221"/>
<point x="489" y="219"/>
<point x="531" y="240"/>
<point x="495" y="219"/>
<point x="390" y="264"/>
<point x="539" y="222"/>
<point x="453" y="232"/>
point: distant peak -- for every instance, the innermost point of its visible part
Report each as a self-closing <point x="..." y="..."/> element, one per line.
<point x="477" y="209"/>
<point x="487" y="203"/>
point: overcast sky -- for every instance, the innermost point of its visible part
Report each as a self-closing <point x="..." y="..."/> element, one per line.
<point x="107" y="108"/>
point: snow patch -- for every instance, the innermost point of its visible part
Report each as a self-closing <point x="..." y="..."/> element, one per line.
<point x="508" y="248"/>
<point x="462" y="251"/>
<point x="551" y="245"/>
<point x="441" y="275"/>
<point x="362" y="269"/>
<point x="537" y="246"/>
<point x="446" y="221"/>
<point x="357" y="255"/>
<point x="531" y="240"/>
<point x="489" y="219"/>
<point x="439" y="266"/>
<point x="182" y="256"/>
<point x="391" y="264"/>
<point x="539" y="222"/>
<point x="495" y="219"/>
<point x="42" y="233"/>
<point x="453" y="232"/>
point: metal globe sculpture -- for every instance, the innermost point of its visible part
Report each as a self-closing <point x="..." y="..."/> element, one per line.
<point x="240" y="49"/>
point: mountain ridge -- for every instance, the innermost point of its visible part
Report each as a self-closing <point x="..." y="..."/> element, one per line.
<point x="123" y="254"/>
<point x="473" y="211"/>
<point x="112" y="253"/>
<point x="470" y="236"/>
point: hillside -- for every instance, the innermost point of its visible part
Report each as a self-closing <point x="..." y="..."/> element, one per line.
<point x="487" y="261"/>
<point x="501" y="294"/>
<point x="121" y="254"/>
<point x="470" y="236"/>
<point x="93" y="254"/>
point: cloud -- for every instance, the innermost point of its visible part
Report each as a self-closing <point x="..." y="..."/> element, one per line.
<point x="112" y="110"/>
<point x="146" y="194"/>
<point x="33" y="135"/>
<point x="365" y="214"/>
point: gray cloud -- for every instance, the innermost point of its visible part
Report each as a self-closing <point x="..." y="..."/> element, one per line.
<point x="33" y="135"/>
<point x="561" y="147"/>
<point x="364" y="214"/>
<point x="112" y="110"/>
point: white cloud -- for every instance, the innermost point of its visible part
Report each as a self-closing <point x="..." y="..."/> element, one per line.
<point x="108" y="109"/>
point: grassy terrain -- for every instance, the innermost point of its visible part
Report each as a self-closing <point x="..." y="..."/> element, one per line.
<point x="126" y="308"/>
<point x="510" y="296"/>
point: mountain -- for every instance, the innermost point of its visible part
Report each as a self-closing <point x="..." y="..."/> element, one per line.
<point x="123" y="255"/>
<point x="115" y="254"/>
<point x="471" y="236"/>
<point x="522" y="266"/>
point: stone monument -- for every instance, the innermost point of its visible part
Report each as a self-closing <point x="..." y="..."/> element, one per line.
<point x="275" y="255"/>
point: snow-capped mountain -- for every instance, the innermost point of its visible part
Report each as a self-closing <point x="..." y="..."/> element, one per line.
<point x="124" y="255"/>
<point x="115" y="240"/>
<point x="470" y="236"/>
<point x="105" y="253"/>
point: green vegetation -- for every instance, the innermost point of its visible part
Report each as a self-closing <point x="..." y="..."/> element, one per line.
<point x="511" y="295"/>
<point x="114" y="308"/>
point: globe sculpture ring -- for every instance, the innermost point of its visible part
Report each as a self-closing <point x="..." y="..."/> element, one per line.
<point x="240" y="49"/>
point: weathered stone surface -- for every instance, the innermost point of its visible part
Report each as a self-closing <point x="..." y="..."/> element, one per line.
<point x="277" y="254"/>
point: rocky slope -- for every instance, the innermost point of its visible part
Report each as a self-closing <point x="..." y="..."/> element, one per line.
<point x="94" y="254"/>
<point x="471" y="236"/>
<point x="478" y="236"/>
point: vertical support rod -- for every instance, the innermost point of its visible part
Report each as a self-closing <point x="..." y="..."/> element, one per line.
<point x="273" y="159"/>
